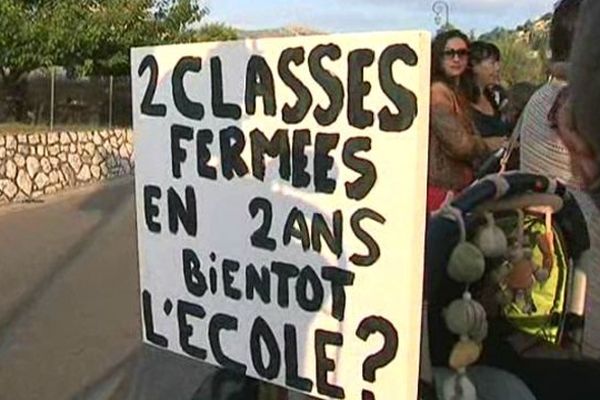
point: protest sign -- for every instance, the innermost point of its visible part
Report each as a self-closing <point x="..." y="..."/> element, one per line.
<point x="280" y="188"/>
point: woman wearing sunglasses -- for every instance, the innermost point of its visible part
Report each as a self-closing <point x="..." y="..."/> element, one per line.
<point x="454" y="144"/>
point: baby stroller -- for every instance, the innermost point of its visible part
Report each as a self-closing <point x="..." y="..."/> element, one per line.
<point x="502" y="258"/>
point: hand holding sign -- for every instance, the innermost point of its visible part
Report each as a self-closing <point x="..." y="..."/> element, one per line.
<point x="281" y="194"/>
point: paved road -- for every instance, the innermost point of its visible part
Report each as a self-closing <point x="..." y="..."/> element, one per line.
<point x="69" y="309"/>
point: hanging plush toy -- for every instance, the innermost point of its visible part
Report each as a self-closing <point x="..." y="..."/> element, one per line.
<point x="490" y="239"/>
<point x="544" y="242"/>
<point x="459" y="387"/>
<point x="465" y="317"/>
<point x="517" y="277"/>
<point x="519" y="281"/>
<point x="466" y="264"/>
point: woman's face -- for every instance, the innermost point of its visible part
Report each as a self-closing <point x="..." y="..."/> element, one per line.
<point x="456" y="57"/>
<point x="487" y="72"/>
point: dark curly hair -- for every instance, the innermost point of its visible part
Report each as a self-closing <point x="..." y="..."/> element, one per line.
<point x="480" y="51"/>
<point x="437" y="53"/>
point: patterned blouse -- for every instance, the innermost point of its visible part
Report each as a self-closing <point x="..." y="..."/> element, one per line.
<point x="453" y="142"/>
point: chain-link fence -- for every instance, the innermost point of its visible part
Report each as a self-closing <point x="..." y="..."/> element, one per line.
<point x="49" y="98"/>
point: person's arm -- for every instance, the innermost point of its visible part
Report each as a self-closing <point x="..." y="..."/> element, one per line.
<point x="456" y="140"/>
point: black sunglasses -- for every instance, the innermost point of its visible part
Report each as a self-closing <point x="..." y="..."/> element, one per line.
<point x="451" y="53"/>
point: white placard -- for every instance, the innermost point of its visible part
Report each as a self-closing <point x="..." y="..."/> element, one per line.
<point x="281" y="188"/>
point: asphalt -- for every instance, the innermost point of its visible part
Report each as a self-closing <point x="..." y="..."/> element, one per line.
<point x="69" y="307"/>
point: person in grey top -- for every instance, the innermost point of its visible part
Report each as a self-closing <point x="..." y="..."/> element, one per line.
<point x="543" y="151"/>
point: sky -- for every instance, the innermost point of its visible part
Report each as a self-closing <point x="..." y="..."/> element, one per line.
<point x="334" y="16"/>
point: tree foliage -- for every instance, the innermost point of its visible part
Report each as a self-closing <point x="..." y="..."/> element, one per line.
<point x="214" y="32"/>
<point x="90" y="36"/>
<point x="445" y="27"/>
<point x="519" y="62"/>
<point x="524" y="51"/>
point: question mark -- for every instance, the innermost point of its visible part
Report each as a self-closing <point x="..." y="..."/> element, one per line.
<point x="383" y="357"/>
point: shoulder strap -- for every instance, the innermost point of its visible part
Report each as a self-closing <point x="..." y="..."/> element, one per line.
<point x="512" y="144"/>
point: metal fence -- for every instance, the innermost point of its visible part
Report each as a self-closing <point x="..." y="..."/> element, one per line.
<point x="50" y="98"/>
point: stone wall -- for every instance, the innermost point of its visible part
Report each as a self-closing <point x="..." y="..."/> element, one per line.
<point x="37" y="164"/>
